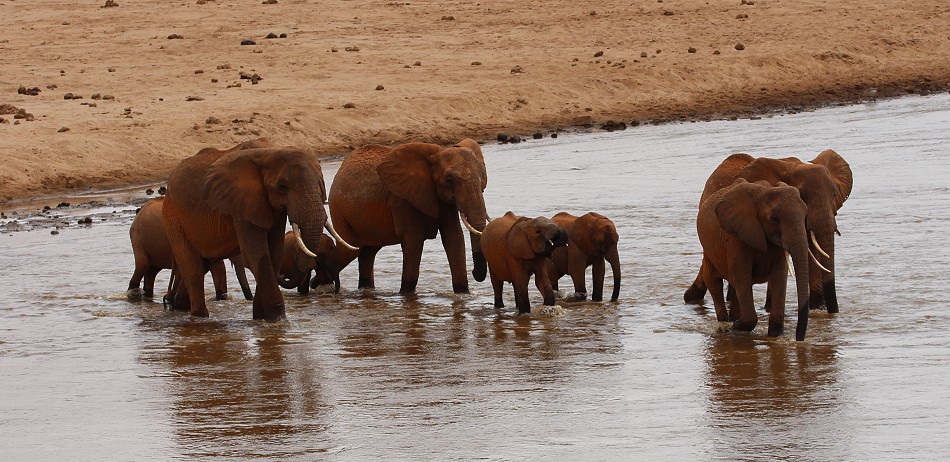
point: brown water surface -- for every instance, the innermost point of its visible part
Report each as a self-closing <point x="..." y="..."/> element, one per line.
<point x="87" y="375"/>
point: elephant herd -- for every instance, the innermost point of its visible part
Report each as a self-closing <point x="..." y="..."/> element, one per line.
<point x="235" y="203"/>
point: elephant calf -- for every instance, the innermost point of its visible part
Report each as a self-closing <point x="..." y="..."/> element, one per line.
<point x="593" y="241"/>
<point x="517" y="247"/>
<point x="153" y="253"/>
<point x="296" y="266"/>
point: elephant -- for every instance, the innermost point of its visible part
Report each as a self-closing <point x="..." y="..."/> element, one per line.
<point x="405" y="195"/>
<point x="296" y="266"/>
<point x="745" y="230"/>
<point x="223" y="204"/>
<point x="824" y="185"/>
<point x="517" y="247"/>
<point x="153" y="253"/>
<point x="593" y="240"/>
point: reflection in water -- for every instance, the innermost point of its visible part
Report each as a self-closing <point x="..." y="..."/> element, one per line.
<point x="771" y="398"/>
<point x="236" y="395"/>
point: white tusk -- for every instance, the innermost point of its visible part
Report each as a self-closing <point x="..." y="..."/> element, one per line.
<point x="469" y="225"/>
<point x="816" y="262"/>
<point x="818" y="247"/>
<point x="339" y="240"/>
<point x="303" y="247"/>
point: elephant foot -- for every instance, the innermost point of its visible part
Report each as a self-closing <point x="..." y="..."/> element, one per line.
<point x="579" y="296"/>
<point x="135" y="294"/>
<point x="460" y="288"/>
<point x="694" y="295"/>
<point x="200" y="312"/>
<point x="739" y="325"/>
<point x="776" y="329"/>
<point x="275" y="313"/>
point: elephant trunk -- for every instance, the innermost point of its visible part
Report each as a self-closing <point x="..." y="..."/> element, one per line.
<point x="613" y="257"/>
<point x="823" y="283"/>
<point x="308" y="214"/>
<point x="798" y="248"/>
<point x="477" y="217"/>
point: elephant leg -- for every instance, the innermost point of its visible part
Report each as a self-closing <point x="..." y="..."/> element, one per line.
<point x="778" y="279"/>
<point x="599" y="268"/>
<point x="137" y="275"/>
<point x="303" y="284"/>
<point x="453" y="241"/>
<point x="367" y="259"/>
<point x="747" y="316"/>
<point x="219" y="278"/>
<point x="498" y="286"/>
<point x="695" y="293"/>
<point x="240" y="274"/>
<point x="520" y="283"/>
<point x="411" y="259"/>
<point x="734" y="308"/>
<point x="715" y="292"/>
<point x="256" y="246"/>
<point x="576" y="268"/>
<point x="148" y="284"/>
<point x="543" y="284"/>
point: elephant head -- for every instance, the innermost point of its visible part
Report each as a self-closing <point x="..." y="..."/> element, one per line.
<point x="759" y="215"/>
<point x="263" y="186"/>
<point x="824" y="185"/>
<point x="531" y="238"/>
<point x="431" y="177"/>
<point x="596" y="235"/>
<point x="296" y="266"/>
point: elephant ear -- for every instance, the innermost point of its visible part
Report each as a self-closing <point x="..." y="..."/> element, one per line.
<point x="738" y="215"/>
<point x="473" y="146"/>
<point x="840" y="173"/>
<point x="406" y="171"/>
<point x="520" y="239"/>
<point x="580" y="233"/>
<point x="234" y="186"/>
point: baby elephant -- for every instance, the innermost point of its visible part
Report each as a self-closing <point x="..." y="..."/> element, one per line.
<point x="295" y="266"/>
<point x="153" y="253"/>
<point x="593" y="241"/>
<point x="516" y="247"/>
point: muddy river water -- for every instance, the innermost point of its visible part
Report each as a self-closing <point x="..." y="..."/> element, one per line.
<point x="87" y="375"/>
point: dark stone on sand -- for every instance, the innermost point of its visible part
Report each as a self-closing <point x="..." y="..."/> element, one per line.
<point x="271" y="35"/>
<point x="502" y="137"/>
<point x="537" y="135"/>
<point x="380" y="87"/>
<point x="349" y="106"/>
<point x="175" y="37"/>
<point x="248" y="42"/>
<point x="740" y="47"/>
<point x="598" y="54"/>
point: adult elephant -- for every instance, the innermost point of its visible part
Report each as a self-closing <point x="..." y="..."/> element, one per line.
<point x="518" y="247"/>
<point x="593" y="242"/>
<point x="405" y="195"/>
<point x="153" y="253"/>
<point x="824" y="185"/>
<point x="222" y="204"/>
<point x="296" y="266"/>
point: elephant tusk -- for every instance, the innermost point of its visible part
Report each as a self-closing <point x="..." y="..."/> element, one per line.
<point x="469" y="225"/>
<point x="815" y="260"/>
<point x="303" y="247"/>
<point x="339" y="240"/>
<point x="818" y="247"/>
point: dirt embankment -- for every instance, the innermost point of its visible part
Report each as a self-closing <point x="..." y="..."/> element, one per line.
<point x="116" y="96"/>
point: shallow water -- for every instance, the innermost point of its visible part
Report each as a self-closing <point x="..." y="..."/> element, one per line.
<point x="361" y="376"/>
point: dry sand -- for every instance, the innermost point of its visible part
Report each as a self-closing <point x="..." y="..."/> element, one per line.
<point x="446" y="70"/>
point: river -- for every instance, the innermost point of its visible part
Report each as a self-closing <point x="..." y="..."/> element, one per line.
<point x="87" y="375"/>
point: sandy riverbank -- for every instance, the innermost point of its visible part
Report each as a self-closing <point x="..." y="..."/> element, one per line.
<point x="419" y="70"/>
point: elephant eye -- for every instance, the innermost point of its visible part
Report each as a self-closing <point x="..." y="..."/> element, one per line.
<point x="450" y="179"/>
<point x="773" y="218"/>
<point x="282" y="186"/>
